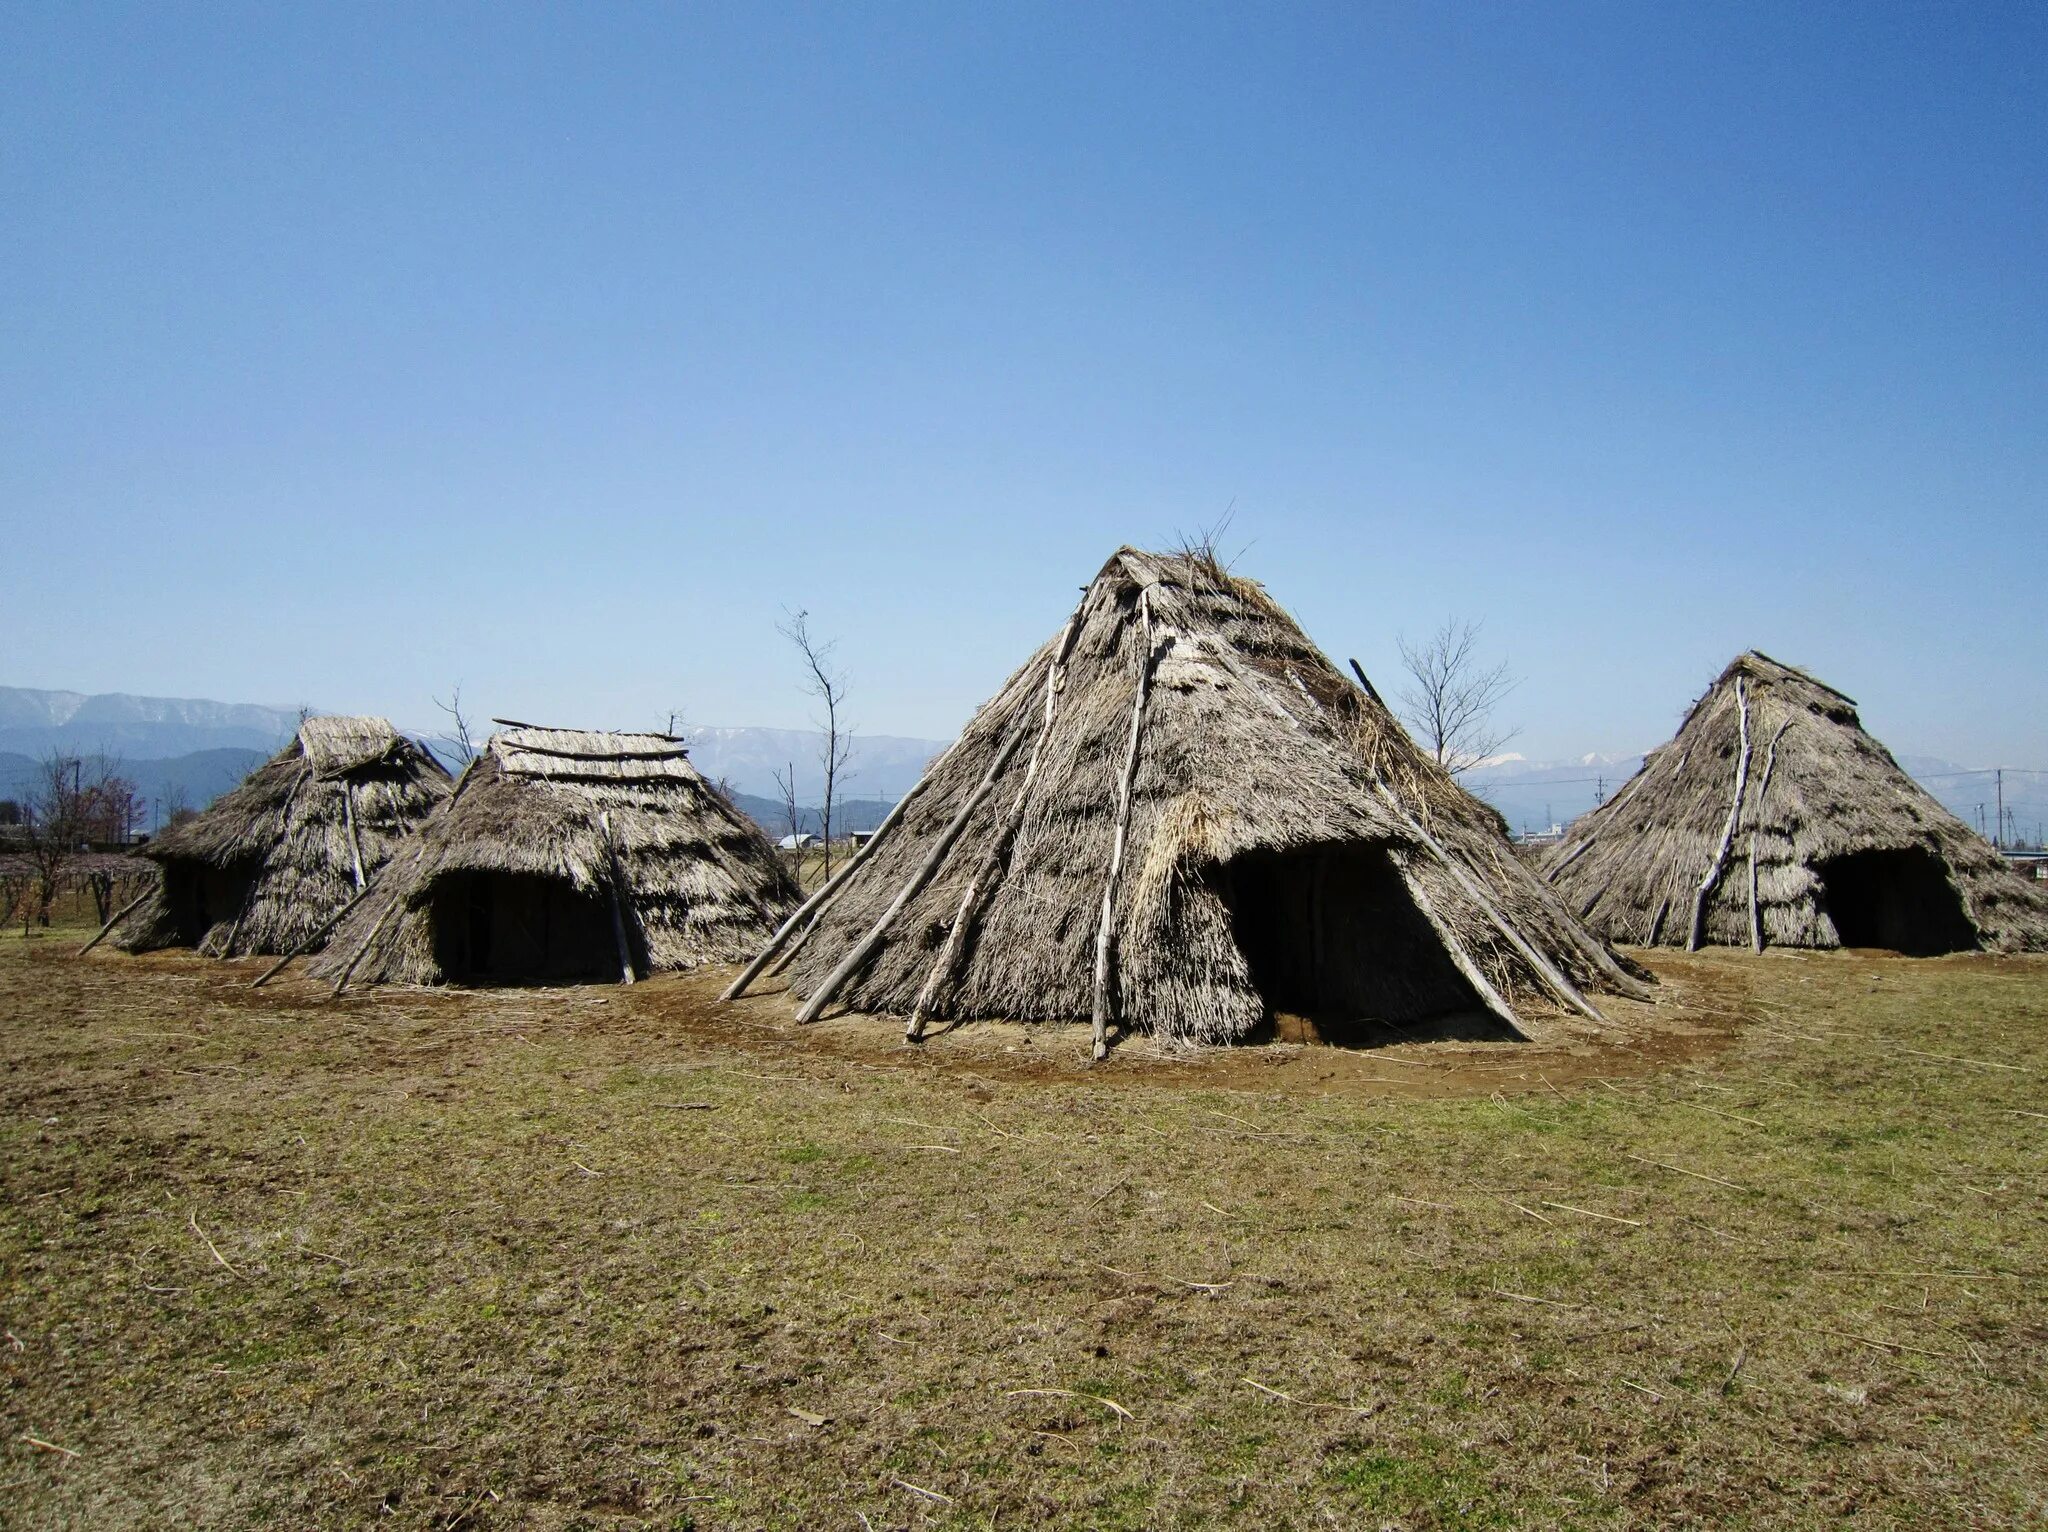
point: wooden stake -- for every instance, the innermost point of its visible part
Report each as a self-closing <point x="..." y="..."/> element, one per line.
<point x="933" y="859"/>
<point x="1697" y="933"/>
<point x="1756" y="814"/>
<point x="617" y="881"/>
<point x="1105" y="930"/>
<point x="1552" y="974"/>
<point x="342" y="983"/>
<point x="119" y="915"/>
<point x="813" y="908"/>
<point x="1359" y="671"/>
<point x="1493" y="999"/>
<point x="1756" y="923"/>
<point x="355" y="841"/>
<point x="998" y="848"/>
<point x="306" y="942"/>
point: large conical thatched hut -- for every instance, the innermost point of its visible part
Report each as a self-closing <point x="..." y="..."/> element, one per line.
<point x="1181" y="817"/>
<point x="564" y="856"/>
<point x="270" y="864"/>
<point x="1772" y="818"/>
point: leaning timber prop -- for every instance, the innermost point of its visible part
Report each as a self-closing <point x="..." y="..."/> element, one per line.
<point x="1105" y="932"/>
<point x="1494" y="1000"/>
<point x="355" y="841"/>
<point x="982" y="882"/>
<point x="614" y="882"/>
<point x="1756" y="814"/>
<point x="807" y="915"/>
<point x="933" y="859"/>
<point x="308" y="942"/>
<point x="119" y="915"/>
<point x="1696" y="933"/>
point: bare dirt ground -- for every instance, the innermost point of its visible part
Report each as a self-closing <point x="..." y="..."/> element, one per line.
<point x="1771" y="1253"/>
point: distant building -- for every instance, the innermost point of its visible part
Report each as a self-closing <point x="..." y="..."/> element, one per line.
<point x="797" y="842"/>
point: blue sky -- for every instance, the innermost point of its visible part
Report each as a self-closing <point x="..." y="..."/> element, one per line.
<point x="346" y="351"/>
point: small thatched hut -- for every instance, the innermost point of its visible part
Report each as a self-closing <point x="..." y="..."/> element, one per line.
<point x="1773" y="818"/>
<point x="564" y="856"/>
<point x="1179" y="815"/>
<point x="270" y="864"/>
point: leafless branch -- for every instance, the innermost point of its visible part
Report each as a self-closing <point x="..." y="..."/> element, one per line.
<point x="457" y="737"/>
<point x="1451" y="701"/>
<point x="827" y="684"/>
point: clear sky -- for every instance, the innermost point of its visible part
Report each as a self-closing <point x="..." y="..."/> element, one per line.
<point x="349" y="350"/>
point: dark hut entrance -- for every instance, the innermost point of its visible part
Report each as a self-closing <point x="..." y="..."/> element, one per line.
<point x="1340" y="953"/>
<point x="200" y="896"/>
<point x="502" y="928"/>
<point x="1901" y="900"/>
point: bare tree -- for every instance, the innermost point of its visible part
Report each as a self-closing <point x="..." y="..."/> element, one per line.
<point x="72" y="802"/>
<point x="785" y="785"/>
<point x="1450" y="704"/>
<point x="174" y="808"/>
<point x="828" y="686"/>
<point x="456" y="737"/>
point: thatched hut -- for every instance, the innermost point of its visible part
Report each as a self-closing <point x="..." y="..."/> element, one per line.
<point x="269" y="865"/>
<point x="1772" y="818"/>
<point x="1178" y="815"/>
<point x="565" y="856"/>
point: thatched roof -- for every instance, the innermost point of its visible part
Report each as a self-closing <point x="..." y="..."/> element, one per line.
<point x="1181" y="704"/>
<point x="273" y="860"/>
<point x="1795" y="822"/>
<point x="622" y="817"/>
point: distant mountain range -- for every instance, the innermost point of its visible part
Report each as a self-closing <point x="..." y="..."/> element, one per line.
<point x="174" y="747"/>
<point x="33" y="723"/>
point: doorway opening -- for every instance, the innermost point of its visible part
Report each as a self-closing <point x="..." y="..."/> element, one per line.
<point x="513" y="928"/>
<point x="1901" y="900"/>
<point x="1341" y="954"/>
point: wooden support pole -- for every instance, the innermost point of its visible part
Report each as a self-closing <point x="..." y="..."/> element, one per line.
<point x="1492" y="998"/>
<point x="1696" y="933"/>
<point x="923" y="875"/>
<point x="1756" y="924"/>
<point x="1657" y="922"/>
<point x="227" y="948"/>
<point x="1596" y="953"/>
<point x="1105" y="930"/>
<point x="306" y="942"/>
<point x="1550" y="972"/>
<point x="1550" y="873"/>
<point x="119" y="915"/>
<point x="1756" y="814"/>
<point x="376" y="930"/>
<point x="1359" y="671"/>
<point x="355" y="841"/>
<point x="998" y="848"/>
<point x="616" y="882"/>
<point x="813" y="908"/>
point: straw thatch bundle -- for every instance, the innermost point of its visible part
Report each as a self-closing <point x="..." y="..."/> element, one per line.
<point x="567" y="855"/>
<point x="1180" y="815"/>
<point x="269" y="865"/>
<point x="1772" y="817"/>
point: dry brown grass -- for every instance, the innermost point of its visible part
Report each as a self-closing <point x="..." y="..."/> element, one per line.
<point x="616" y="1258"/>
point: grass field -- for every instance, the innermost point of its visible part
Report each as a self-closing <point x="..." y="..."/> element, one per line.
<point x="621" y="1258"/>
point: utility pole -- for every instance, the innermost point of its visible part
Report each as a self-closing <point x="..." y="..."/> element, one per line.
<point x="1599" y="790"/>
<point x="1998" y="840"/>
